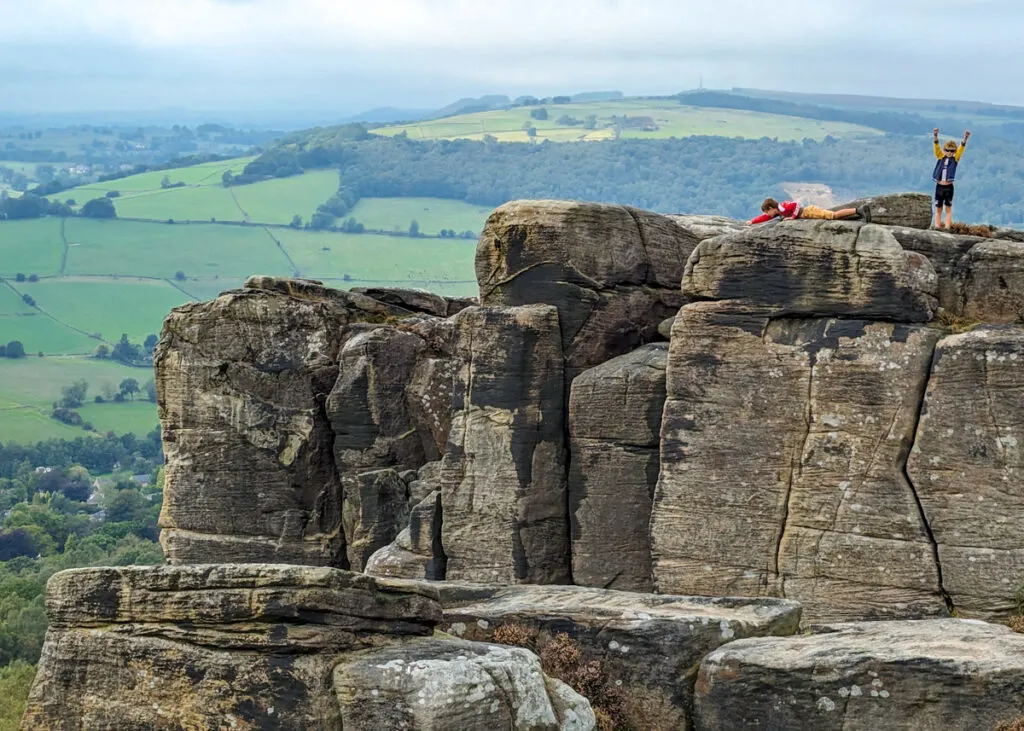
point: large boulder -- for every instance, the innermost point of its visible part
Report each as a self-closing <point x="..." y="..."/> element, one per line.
<point x="374" y="511"/>
<point x="275" y="647"/>
<point x="938" y="675"/>
<point x="783" y="443"/>
<point x="240" y="383"/>
<point x="503" y="486"/>
<point x="613" y="272"/>
<point x="946" y="252"/>
<point x="815" y="268"/>
<point x="249" y="645"/>
<point x="913" y="210"/>
<point x="417" y="300"/>
<point x="647" y="646"/>
<point x="614" y="426"/>
<point x="967" y="463"/>
<point x="994" y="286"/>
<point x="452" y="684"/>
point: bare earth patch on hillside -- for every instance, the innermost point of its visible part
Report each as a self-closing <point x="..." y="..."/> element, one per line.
<point x="815" y="194"/>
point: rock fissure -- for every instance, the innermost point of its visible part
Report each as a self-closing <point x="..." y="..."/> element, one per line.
<point x="921" y="398"/>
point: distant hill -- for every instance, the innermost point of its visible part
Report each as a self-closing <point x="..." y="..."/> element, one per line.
<point x="470" y="105"/>
<point x="857" y="101"/>
<point x="389" y="115"/>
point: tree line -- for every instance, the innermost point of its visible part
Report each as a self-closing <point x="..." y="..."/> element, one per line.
<point x="701" y="174"/>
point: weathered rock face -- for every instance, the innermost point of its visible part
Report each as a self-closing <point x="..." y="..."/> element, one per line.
<point x="198" y="646"/>
<point x="783" y="449"/>
<point x="273" y="647"/>
<point x="815" y="268"/>
<point x="417" y="300"/>
<point x="614" y="427"/>
<point x="933" y="675"/>
<point x="946" y="252"/>
<point x="240" y="383"/>
<point x="966" y="465"/>
<point x="613" y="272"/>
<point x="994" y="286"/>
<point x="503" y="486"/>
<point x="375" y="510"/>
<point x="417" y="552"/>
<point x="649" y="646"/>
<point x="451" y="684"/>
<point x="913" y="210"/>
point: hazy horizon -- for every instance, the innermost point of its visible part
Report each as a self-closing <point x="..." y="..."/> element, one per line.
<point x="246" y="60"/>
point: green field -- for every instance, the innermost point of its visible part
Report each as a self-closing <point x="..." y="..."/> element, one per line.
<point x="276" y="201"/>
<point x="204" y="197"/>
<point x="29" y="386"/>
<point x="432" y="214"/>
<point x="108" y="307"/>
<point x="30" y="247"/>
<point x="132" y="248"/>
<point x="382" y="260"/>
<point x="671" y="119"/>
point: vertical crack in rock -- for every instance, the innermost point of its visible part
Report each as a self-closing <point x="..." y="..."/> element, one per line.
<point x="904" y="456"/>
<point x="643" y="243"/>
<point x="339" y="496"/>
<point x="795" y="466"/>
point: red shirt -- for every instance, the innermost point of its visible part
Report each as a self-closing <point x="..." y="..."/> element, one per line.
<point x="790" y="209"/>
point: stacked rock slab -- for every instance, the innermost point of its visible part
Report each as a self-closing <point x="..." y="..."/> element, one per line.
<point x="968" y="467"/>
<point x="273" y="647"/>
<point x="786" y="430"/>
<point x="240" y="384"/>
<point x="503" y="477"/>
<point x="614" y="426"/>
<point x="648" y="647"/>
<point x="936" y="675"/>
<point x="913" y="210"/>
<point x="613" y="272"/>
<point x="289" y="412"/>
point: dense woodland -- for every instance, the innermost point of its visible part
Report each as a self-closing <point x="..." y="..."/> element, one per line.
<point x="58" y="515"/>
<point x="691" y="175"/>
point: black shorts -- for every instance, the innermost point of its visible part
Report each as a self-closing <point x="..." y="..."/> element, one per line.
<point x="943" y="196"/>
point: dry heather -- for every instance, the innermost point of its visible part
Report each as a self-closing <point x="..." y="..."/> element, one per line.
<point x="955" y="324"/>
<point x="1016" y="724"/>
<point x="967" y="229"/>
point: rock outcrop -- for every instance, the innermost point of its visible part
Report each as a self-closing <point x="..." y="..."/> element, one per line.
<point x="273" y="647"/>
<point x="648" y="646"/>
<point x="613" y="272"/>
<point x="810" y="433"/>
<point x="968" y="467"/>
<point x="960" y="675"/>
<point x="913" y="210"/>
<point x="614" y="427"/>
<point x="784" y="443"/>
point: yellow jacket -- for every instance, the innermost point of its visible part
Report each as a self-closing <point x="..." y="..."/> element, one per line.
<point x="940" y="154"/>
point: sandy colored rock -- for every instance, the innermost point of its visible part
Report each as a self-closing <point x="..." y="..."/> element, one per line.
<point x="417" y="551"/>
<point x="783" y="448"/>
<point x="247" y="445"/>
<point x="650" y="644"/>
<point x="936" y="675"/>
<point x="947" y="253"/>
<point x="196" y="647"/>
<point x="994" y="283"/>
<point x="374" y="511"/>
<point x="614" y="426"/>
<point x="966" y="465"/>
<point x="503" y="487"/>
<point x="913" y="210"/>
<point x="815" y="268"/>
<point x="452" y="684"/>
<point x="612" y="272"/>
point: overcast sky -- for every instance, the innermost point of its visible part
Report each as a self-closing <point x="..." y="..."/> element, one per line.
<point x="332" y="57"/>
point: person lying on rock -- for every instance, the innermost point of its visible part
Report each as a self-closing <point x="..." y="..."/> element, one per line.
<point x="948" y="156"/>
<point x="788" y="210"/>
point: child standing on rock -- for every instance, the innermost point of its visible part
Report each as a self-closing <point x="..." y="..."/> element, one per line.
<point x="948" y="157"/>
<point x="788" y="210"/>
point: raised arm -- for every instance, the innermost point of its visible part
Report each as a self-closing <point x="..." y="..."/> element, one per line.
<point x="963" y="146"/>
<point x="935" y="143"/>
